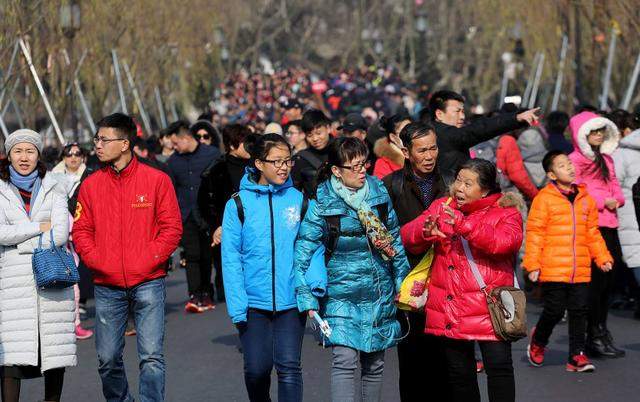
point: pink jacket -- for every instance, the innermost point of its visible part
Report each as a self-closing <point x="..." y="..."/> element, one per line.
<point x="586" y="172"/>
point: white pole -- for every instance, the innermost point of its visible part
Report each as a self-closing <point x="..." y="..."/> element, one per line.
<point x="116" y="69"/>
<point x="9" y="71"/>
<point x="536" y="82"/>
<point x="558" y="88"/>
<point x="136" y="96"/>
<point x="76" y="83"/>
<point x="43" y="95"/>
<point x="163" y="115"/>
<point x="174" y="110"/>
<point x="505" y="85"/>
<point x="607" y="74"/>
<point x="632" y="85"/>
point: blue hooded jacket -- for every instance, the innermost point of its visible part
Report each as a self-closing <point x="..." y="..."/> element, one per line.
<point x="361" y="286"/>
<point x="257" y="255"/>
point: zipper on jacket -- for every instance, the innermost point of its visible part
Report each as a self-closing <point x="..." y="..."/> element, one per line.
<point x="124" y="274"/>
<point x="573" y="215"/>
<point x="273" y="253"/>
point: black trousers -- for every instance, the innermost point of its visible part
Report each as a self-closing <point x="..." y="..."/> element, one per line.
<point x="557" y="298"/>
<point x="461" y="369"/>
<point x="602" y="282"/>
<point x="420" y="361"/>
<point x="197" y="252"/>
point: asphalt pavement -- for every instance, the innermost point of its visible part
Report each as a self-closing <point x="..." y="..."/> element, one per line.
<point x="204" y="363"/>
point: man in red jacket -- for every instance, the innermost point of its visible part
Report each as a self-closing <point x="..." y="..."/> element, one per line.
<point x="127" y="224"/>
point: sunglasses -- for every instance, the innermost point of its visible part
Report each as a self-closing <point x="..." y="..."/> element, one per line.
<point x="69" y="154"/>
<point x="204" y="136"/>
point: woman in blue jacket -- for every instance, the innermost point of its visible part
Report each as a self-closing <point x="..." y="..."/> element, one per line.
<point x="257" y="264"/>
<point x="364" y="271"/>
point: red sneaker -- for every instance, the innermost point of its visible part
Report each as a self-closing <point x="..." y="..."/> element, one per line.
<point x="479" y="366"/>
<point x="193" y="306"/>
<point x="535" y="352"/>
<point x="83" y="333"/>
<point x="206" y="303"/>
<point x="580" y="364"/>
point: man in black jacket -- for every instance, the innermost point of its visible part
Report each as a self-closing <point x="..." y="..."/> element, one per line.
<point x="317" y="127"/>
<point x="185" y="167"/>
<point x="220" y="181"/>
<point x="446" y="110"/>
<point x="412" y="190"/>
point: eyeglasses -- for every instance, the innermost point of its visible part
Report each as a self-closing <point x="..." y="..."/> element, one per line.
<point x="204" y="136"/>
<point x="70" y="154"/>
<point x="279" y="163"/>
<point x="358" y="167"/>
<point x="97" y="140"/>
<point x="292" y="133"/>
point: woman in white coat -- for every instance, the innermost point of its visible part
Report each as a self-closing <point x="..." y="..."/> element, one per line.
<point x="627" y="162"/>
<point x="36" y="326"/>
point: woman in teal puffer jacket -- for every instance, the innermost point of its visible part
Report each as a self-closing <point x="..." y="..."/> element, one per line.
<point x="364" y="272"/>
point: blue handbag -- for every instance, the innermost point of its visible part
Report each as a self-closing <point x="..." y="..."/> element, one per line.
<point x="54" y="267"/>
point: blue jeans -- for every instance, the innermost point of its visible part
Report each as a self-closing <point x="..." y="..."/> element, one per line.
<point x="146" y="302"/>
<point x="273" y="339"/>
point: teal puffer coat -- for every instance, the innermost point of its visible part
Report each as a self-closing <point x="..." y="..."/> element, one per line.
<point x="361" y="286"/>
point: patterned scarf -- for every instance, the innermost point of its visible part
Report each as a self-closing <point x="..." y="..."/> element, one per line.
<point x="376" y="231"/>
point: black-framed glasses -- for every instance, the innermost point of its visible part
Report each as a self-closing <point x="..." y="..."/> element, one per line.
<point x="358" y="167"/>
<point x="97" y="140"/>
<point x="279" y="163"/>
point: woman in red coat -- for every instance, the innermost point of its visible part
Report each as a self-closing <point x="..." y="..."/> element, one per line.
<point x="456" y="310"/>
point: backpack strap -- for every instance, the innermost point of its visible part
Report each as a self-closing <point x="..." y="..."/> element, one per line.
<point x="236" y="198"/>
<point x="313" y="160"/>
<point x="333" y="222"/>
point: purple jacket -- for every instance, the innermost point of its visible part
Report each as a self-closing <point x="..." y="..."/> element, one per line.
<point x="586" y="172"/>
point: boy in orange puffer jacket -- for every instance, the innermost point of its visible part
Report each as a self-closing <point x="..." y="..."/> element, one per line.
<point x="562" y="239"/>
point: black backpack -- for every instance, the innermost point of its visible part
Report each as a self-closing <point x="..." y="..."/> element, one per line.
<point x="333" y="222"/>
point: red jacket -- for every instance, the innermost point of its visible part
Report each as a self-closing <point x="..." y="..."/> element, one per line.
<point x="509" y="160"/>
<point x="127" y="224"/>
<point x="456" y="308"/>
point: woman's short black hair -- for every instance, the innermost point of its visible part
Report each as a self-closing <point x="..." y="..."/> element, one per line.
<point x="341" y="151"/>
<point x="67" y="148"/>
<point x="312" y="119"/>
<point x="390" y="124"/>
<point x="233" y="135"/>
<point x="486" y="171"/>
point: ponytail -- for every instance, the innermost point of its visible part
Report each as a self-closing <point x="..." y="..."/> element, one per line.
<point x="600" y="165"/>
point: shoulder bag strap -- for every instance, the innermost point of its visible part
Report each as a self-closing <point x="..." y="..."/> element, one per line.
<point x="473" y="265"/>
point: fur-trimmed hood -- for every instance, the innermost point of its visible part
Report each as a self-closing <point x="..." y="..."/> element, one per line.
<point x="583" y="123"/>
<point x="384" y="149"/>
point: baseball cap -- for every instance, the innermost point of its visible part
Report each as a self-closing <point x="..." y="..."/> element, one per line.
<point x="353" y="122"/>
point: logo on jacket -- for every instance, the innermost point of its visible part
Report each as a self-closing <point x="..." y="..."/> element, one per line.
<point x="142" y="201"/>
<point x="78" y="212"/>
<point x="292" y="217"/>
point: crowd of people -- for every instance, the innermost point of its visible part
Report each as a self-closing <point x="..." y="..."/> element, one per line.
<point x="300" y="199"/>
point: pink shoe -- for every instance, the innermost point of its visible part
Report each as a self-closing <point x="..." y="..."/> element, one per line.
<point x="82" y="333"/>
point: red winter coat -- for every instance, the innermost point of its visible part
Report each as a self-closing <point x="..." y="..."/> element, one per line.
<point x="456" y="308"/>
<point x="127" y="224"/>
<point x="509" y="160"/>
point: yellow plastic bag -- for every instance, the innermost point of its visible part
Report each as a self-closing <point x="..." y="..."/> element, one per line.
<point x="413" y="292"/>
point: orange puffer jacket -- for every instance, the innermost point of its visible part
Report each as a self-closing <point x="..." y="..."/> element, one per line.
<point x="562" y="238"/>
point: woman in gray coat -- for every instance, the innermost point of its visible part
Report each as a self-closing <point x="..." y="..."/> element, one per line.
<point x="36" y="325"/>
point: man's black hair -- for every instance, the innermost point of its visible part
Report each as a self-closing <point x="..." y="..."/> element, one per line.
<point x="547" y="161"/>
<point x="439" y="100"/>
<point x="179" y="127"/>
<point x="557" y="122"/>
<point x="312" y="119"/>
<point x="122" y="124"/>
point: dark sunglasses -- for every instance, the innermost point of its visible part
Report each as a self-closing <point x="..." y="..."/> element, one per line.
<point x="204" y="136"/>
<point x="69" y="154"/>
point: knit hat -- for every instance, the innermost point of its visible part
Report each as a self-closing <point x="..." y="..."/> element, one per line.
<point x="23" y="135"/>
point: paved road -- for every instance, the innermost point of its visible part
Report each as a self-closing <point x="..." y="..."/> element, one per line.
<point x="204" y="364"/>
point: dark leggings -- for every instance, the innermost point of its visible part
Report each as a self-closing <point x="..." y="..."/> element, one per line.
<point x="461" y="369"/>
<point x="53" y="381"/>
<point x="602" y="283"/>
